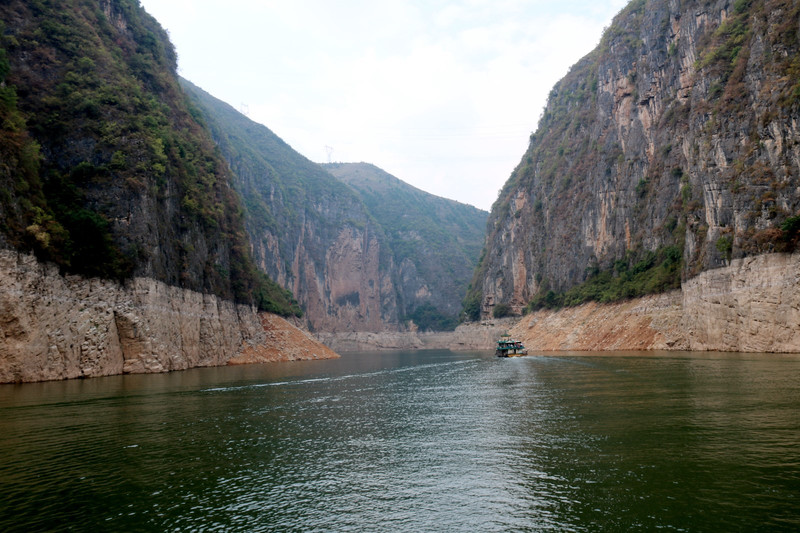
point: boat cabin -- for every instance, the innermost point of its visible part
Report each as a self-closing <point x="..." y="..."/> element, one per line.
<point x="508" y="347"/>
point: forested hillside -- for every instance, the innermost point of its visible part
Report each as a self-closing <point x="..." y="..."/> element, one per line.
<point x="105" y="169"/>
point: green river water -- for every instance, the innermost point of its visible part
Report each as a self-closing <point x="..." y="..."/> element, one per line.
<point x="412" y="441"/>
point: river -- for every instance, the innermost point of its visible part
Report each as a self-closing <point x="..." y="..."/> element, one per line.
<point x="412" y="441"/>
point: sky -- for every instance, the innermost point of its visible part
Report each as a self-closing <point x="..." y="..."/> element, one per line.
<point x="443" y="94"/>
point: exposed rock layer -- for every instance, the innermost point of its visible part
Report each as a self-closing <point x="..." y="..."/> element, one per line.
<point x="58" y="327"/>
<point x="751" y="306"/>
<point x="649" y="323"/>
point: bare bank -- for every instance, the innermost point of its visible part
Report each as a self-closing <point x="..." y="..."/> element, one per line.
<point x="58" y="327"/>
<point x="752" y="305"/>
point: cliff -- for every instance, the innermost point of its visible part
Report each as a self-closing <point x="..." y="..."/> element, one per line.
<point x="360" y="250"/>
<point x="58" y="327"/>
<point x="668" y="151"/>
<point x="751" y="306"/>
<point x="105" y="170"/>
<point x="435" y="242"/>
<point x="308" y="231"/>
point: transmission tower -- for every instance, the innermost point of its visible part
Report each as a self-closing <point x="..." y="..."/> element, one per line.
<point x="329" y="149"/>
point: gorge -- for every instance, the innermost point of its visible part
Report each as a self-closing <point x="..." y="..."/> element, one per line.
<point x="148" y="226"/>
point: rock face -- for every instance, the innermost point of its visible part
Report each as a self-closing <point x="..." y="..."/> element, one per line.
<point x="104" y="170"/>
<point x="648" y="323"/>
<point x="361" y="251"/>
<point x="753" y="305"/>
<point x="435" y="242"/>
<point x="308" y="231"/>
<point x="680" y="131"/>
<point x="58" y="327"/>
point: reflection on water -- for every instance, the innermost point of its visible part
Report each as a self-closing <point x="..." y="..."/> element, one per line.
<point x="423" y="441"/>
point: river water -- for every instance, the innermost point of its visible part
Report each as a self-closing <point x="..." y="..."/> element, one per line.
<point x="414" y="441"/>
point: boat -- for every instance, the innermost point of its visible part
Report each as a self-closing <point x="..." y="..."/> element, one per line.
<point x="508" y="347"/>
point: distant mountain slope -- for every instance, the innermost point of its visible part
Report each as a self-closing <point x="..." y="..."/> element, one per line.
<point x="361" y="252"/>
<point x="308" y="231"/>
<point x="435" y="241"/>
<point x="672" y="148"/>
<point x="103" y="169"/>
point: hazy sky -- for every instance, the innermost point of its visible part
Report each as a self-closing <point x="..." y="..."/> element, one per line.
<point x="443" y="94"/>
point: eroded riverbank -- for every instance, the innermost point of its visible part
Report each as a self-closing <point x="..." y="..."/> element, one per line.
<point x="753" y="305"/>
<point x="58" y="327"/>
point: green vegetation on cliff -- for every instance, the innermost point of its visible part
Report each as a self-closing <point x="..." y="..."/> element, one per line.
<point x="105" y="170"/>
<point x="656" y="272"/>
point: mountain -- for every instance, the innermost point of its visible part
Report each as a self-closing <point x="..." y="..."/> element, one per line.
<point x="123" y="246"/>
<point x="105" y="170"/>
<point x="361" y="251"/>
<point x="310" y="232"/>
<point x="435" y="242"/>
<point x="669" y="150"/>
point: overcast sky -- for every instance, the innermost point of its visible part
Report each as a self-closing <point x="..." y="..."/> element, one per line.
<point x="443" y="94"/>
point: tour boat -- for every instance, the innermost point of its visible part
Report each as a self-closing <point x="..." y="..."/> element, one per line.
<point x="508" y="347"/>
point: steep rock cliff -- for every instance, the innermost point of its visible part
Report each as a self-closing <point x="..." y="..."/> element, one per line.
<point x="435" y="242"/>
<point x="312" y="234"/>
<point x="679" y="132"/>
<point x="57" y="327"/>
<point x="105" y="171"/>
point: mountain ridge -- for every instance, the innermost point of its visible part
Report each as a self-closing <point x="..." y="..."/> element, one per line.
<point x="330" y="243"/>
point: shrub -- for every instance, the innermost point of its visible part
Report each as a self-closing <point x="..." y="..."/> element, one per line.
<point x="428" y="318"/>
<point x="472" y="306"/>
<point x="791" y="232"/>
<point x="724" y="246"/>
<point x="502" y="311"/>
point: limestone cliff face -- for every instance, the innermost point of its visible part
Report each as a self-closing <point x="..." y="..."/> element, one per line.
<point x="59" y="327"/>
<point x="435" y="242"/>
<point x="680" y="130"/>
<point x="349" y="289"/>
<point x="751" y="306"/>
<point x="309" y="232"/>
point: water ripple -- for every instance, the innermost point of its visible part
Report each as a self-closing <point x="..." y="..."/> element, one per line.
<point x="431" y="442"/>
